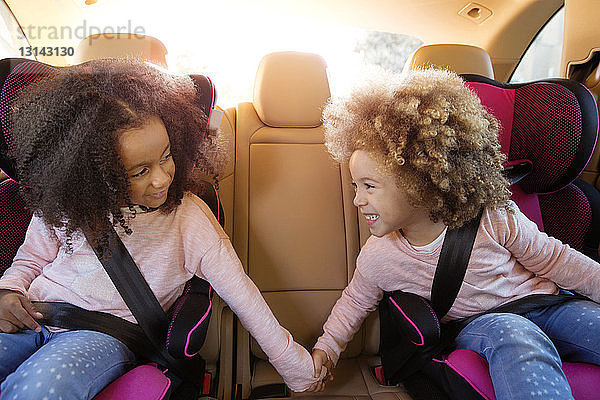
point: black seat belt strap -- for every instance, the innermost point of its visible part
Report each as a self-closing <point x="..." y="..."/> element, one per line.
<point x="134" y="290"/>
<point x="69" y="316"/>
<point x="452" y="265"/>
<point x="143" y="304"/>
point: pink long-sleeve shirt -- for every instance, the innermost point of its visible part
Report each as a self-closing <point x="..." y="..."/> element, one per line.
<point x="169" y="250"/>
<point x="511" y="259"/>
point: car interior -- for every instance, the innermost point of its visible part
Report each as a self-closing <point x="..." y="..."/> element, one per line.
<point x="288" y="207"/>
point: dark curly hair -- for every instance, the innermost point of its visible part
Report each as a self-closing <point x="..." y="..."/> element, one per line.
<point x="431" y="132"/>
<point x="66" y="132"/>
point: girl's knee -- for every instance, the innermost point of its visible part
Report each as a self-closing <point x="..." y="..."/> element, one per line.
<point x="77" y="365"/>
<point x="501" y="330"/>
<point x="63" y="381"/>
<point x="498" y="323"/>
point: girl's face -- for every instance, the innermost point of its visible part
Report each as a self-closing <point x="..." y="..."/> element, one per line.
<point x="146" y="154"/>
<point x="381" y="201"/>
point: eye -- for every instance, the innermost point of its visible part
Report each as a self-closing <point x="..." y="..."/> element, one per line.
<point x="142" y="172"/>
<point x="165" y="158"/>
<point x="368" y="186"/>
<point x="354" y="186"/>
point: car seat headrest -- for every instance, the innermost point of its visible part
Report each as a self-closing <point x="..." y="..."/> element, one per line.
<point x="206" y="98"/>
<point x="291" y="89"/>
<point x="121" y="45"/>
<point x="552" y="123"/>
<point x="460" y="58"/>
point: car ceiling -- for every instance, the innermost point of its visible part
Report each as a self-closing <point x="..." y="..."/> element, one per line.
<point x="512" y="24"/>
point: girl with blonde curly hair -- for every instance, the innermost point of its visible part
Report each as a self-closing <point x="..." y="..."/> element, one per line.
<point x="113" y="143"/>
<point x="424" y="157"/>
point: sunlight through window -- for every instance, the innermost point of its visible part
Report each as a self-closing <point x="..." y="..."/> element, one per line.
<point x="227" y="46"/>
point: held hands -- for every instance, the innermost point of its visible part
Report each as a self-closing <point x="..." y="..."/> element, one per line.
<point x="17" y="312"/>
<point x="321" y="360"/>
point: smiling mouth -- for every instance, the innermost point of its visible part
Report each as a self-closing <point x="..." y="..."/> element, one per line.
<point x="159" y="195"/>
<point x="371" y="218"/>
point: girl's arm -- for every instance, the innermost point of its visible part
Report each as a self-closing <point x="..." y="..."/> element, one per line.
<point x="38" y="250"/>
<point x="358" y="299"/>
<point x="550" y="258"/>
<point x="223" y="270"/>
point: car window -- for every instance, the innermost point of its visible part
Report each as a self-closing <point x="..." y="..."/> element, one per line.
<point x="542" y="58"/>
<point x="230" y="51"/>
<point x="347" y="51"/>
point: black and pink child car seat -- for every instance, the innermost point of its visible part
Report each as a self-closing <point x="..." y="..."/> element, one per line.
<point x="551" y="126"/>
<point x="187" y="331"/>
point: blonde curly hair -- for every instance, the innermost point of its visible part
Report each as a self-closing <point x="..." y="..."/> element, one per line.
<point x="431" y="132"/>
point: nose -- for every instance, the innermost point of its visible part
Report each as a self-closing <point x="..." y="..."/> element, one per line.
<point x="359" y="199"/>
<point x="161" y="178"/>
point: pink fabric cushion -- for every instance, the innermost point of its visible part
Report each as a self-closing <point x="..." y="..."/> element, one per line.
<point x="500" y="103"/>
<point x="474" y="369"/>
<point x="529" y="204"/>
<point x="583" y="378"/>
<point x="145" y="382"/>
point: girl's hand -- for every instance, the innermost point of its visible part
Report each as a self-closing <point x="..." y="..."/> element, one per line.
<point x="321" y="360"/>
<point x="16" y="312"/>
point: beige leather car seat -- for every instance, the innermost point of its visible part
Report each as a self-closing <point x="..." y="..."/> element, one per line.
<point x="295" y="227"/>
<point x="460" y="58"/>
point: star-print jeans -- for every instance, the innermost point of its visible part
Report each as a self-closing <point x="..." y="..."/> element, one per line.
<point x="524" y="352"/>
<point x="61" y="365"/>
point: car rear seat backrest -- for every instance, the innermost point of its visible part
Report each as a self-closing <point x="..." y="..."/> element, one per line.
<point x="291" y="200"/>
<point x="295" y="227"/>
<point x="226" y="180"/>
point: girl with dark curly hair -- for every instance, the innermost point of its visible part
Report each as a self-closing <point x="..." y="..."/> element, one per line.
<point x="424" y="156"/>
<point x="116" y="143"/>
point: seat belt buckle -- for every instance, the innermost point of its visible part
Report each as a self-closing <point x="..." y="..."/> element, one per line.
<point x="206" y="383"/>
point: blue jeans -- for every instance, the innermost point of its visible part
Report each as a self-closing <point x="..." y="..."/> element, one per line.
<point x="62" y="365"/>
<point x="524" y="352"/>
